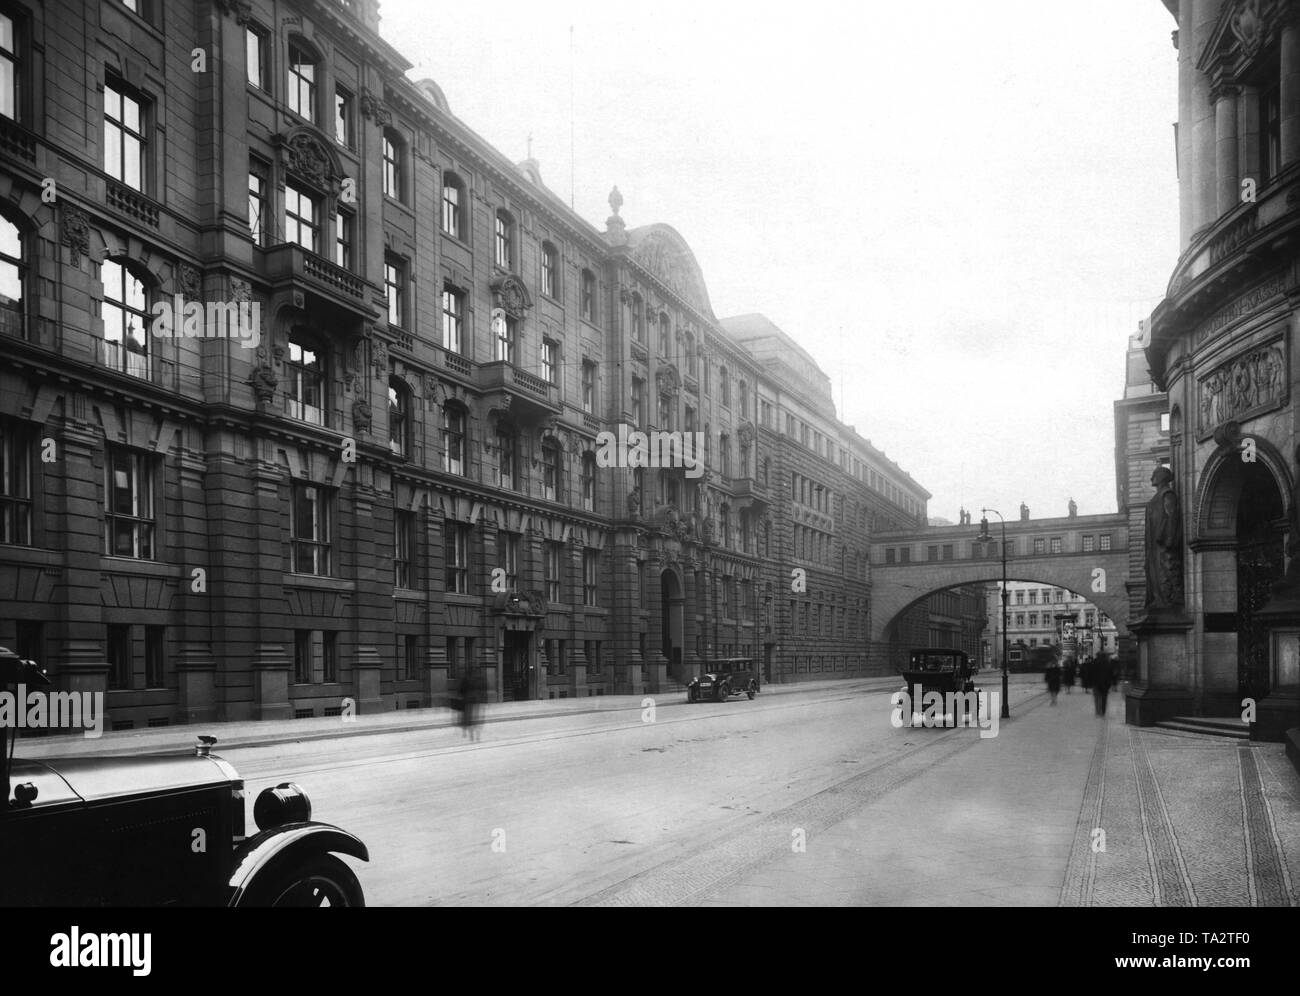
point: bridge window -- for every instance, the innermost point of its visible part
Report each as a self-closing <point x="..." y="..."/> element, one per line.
<point x="905" y="554"/>
<point x="1088" y="543"/>
<point x="1040" y="545"/>
<point x="1056" y="544"/>
<point x="1104" y="541"/>
<point x="932" y="553"/>
<point x="889" y="555"/>
<point x="947" y="551"/>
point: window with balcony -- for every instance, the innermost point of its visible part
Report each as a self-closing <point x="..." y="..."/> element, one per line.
<point x="588" y="296"/>
<point x="395" y="290"/>
<point x="125" y="314"/>
<point x="309" y="529"/>
<point x="16" y="455"/>
<point x="453" y="197"/>
<point x="399" y="417"/>
<point x="454" y="424"/>
<point x="393" y="151"/>
<point x="589" y="482"/>
<point x="301" y="218"/>
<point x="257" y="202"/>
<point x="550" y="361"/>
<point x="404" y="566"/>
<point x="553" y="571"/>
<point x="552" y="472"/>
<point x="306" y="378"/>
<point x="125" y="111"/>
<point x="301" y="91"/>
<point x="343" y="117"/>
<point x="589" y="387"/>
<point x="453" y="319"/>
<point x="507" y="458"/>
<point x="505" y="240"/>
<point x="343" y="239"/>
<point x="129" y="519"/>
<point x="590" y="576"/>
<point x="456" y="540"/>
<point x="550" y="271"/>
<point x="505" y="333"/>
<point x="11" y="68"/>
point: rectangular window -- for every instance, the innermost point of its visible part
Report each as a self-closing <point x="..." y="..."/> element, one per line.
<point x="1056" y="544"/>
<point x="1089" y="543"/>
<point x="508" y="552"/>
<point x="155" y="657"/>
<point x="638" y="401"/>
<point x="590" y="576"/>
<point x="302" y="83"/>
<point x="456" y="555"/>
<point x="309" y="528"/>
<point x="411" y="657"/>
<point x="118" y="644"/>
<point x="553" y="567"/>
<point x="257" y="203"/>
<point x="395" y="288"/>
<point x="503" y="328"/>
<point x="507" y="459"/>
<point x="905" y="554"/>
<point x="392" y="168"/>
<point x="1040" y="545"/>
<point x="343" y="239"/>
<point x="889" y="555"/>
<point x="15" y="484"/>
<point x="552" y="473"/>
<point x="451" y="207"/>
<point x="343" y="117"/>
<point x="255" y="55"/>
<point x="588" y="296"/>
<point x="10" y="72"/>
<point x="453" y="440"/>
<point x="315" y="659"/>
<point x="1270" y="132"/>
<point x="504" y="242"/>
<point x="588" y="386"/>
<point x="124" y="131"/>
<point x="550" y="361"/>
<point x="301" y="218"/>
<point x="1103" y="541"/>
<point x="550" y="270"/>
<point x="129" y="509"/>
<point x="453" y="311"/>
<point x="947" y="551"/>
<point x="404" y="549"/>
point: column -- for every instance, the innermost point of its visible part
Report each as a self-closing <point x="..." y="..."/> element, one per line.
<point x="1225" y="140"/>
<point x="1185" y="37"/>
<point x="1290" y="58"/>
<point x="1203" y="165"/>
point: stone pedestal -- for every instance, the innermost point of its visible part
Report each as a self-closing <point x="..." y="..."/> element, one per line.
<point x="1164" y="685"/>
<point x="1279" y="711"/>
<point x="366" y="670"/>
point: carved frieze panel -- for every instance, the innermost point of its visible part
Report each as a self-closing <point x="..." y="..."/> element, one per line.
<point x="1251" y="383"/>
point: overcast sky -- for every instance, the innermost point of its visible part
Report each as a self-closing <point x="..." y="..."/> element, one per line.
<point x="961" y="210"/>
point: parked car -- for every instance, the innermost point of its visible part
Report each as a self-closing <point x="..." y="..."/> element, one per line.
<point x="729" y="676"/>
<point x="154" y="831"/>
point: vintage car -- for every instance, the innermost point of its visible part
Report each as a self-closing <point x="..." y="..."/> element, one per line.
<point x="720" y="678"/>
<point x="155" y="831"/>
<point x="941" y="670"/>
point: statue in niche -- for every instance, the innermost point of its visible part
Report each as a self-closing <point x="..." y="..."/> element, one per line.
<point x="1164" y="544"/>
<point x="634" y="504"/>
<point x="264" y="384"/>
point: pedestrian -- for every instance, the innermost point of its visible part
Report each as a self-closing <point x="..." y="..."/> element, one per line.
<point x="466" y="702"/>
<point x="1053" y="675"/>
<point x="1102" y="677"/>
<point x="1085" y="674"/>
<point x="1067" y="675"/>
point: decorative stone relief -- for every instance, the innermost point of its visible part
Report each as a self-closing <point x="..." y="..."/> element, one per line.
<point x="1248" y="384"/>
<point x="361" y="415"/>
<point x="306" y="156"/>
<point x="374" y="108"/>
<point x="1248" y="26"/>
<point x="76" y="232"/>
<point x="190" y="280"/>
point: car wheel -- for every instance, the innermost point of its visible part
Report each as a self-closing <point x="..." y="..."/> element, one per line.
<point x="318" y="881"/>
<point x="751" y="690"/>
<point x="690" y="695"/>
<point x="722" y="693"/>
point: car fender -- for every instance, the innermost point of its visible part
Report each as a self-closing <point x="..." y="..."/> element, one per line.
<point x="268" y="852"/>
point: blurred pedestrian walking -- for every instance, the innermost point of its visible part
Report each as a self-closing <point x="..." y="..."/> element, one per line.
<point x="1053" y="676"/>
<point x="1102" y="676"/>
<point x="1067" y="675"/>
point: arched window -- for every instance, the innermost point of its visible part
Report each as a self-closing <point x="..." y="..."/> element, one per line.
<point x="306" y="374"/>
<point x="589" y="482"/>
<point x="13" y="278"/>
<point x="453" y="200"/>
<point x="454" y="426"/>
<point x="552" y="471"/>
<point x="125" y="312"/>
<point x="399" y="417"/>
<point x="505" y="240"/>
<point x="394" y="150"/>
<point x="550" y="271"/>
<point x="301" y="94"/>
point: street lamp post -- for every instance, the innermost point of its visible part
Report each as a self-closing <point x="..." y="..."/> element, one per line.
<point x="984" y="538"/>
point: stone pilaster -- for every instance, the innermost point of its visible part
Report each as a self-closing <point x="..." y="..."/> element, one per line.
<point x="1225" y="141"/>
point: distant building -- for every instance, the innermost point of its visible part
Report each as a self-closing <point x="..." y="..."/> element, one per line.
<point x="1041" y="615"/>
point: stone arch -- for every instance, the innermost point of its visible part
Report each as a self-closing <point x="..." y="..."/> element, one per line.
<point x="1218" y="490"/>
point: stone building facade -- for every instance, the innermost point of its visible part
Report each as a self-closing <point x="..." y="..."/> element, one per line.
<point x="304" y="388"/>
<point x="1219" y="624"/>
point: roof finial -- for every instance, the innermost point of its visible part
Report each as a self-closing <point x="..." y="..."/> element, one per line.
<point x="615" y="200"/>
<point x="530" y="145"/>
<point x="615" y="228"/>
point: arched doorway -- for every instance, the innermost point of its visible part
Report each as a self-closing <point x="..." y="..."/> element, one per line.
<point x="672" y="621"/>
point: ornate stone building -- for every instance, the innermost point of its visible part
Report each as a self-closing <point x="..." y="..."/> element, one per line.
<point x="364" y="452"/>
<point x="1218" y="628"/>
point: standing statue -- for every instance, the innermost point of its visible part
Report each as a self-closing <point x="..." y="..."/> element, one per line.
<point x="1024" y="511"/>
<point x="1072" y="508"/>
<point x="1164" y="544"/>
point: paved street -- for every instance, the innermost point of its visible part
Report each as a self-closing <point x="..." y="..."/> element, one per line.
<point x="583" y="802"/>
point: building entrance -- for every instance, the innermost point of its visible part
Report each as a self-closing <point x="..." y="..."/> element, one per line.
<point x="515" y="655"/>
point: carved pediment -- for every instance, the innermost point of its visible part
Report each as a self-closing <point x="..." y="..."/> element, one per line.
<point x="510" y="294"/>
<point x="308" y="157"/>
<point x="668" y="381"/>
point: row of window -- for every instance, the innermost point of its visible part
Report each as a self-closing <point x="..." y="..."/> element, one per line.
<point x="817" y="619"/>
<point x="1042" y="545"/>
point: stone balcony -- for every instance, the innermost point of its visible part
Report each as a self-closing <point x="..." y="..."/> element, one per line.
<point x="526" y="396"/>
<point x="290" y="266"/>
